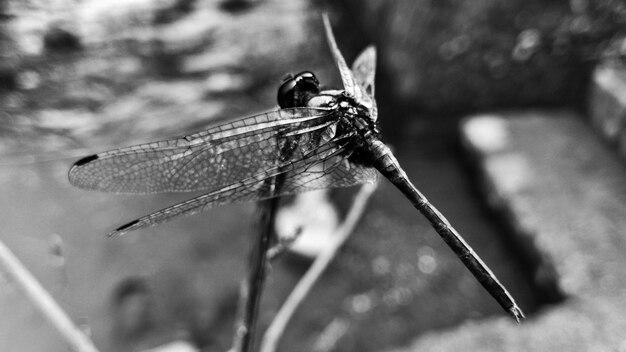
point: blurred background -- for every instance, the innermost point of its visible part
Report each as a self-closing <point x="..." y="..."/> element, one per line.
<point x="543" y="80"/>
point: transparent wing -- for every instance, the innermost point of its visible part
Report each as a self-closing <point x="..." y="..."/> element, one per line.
<point x="326" y="166"/>
<point x="355" y="87"/>
<point x="364" y="69"/>
<point x="208" y="160"/>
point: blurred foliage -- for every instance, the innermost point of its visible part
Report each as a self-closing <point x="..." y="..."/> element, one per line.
<point x="90" y="73"/>
<point x="459" y="56"/>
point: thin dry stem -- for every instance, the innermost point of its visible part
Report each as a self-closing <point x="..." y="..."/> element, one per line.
<point x="277" y="327"/>
<point x="42" y="299"/>
<point x="252" y="288"/>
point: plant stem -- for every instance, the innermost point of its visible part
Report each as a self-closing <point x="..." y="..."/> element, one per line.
<point x="42" y="299"/>
<point x="252" y="290"/>
<point x="278" y="325"/>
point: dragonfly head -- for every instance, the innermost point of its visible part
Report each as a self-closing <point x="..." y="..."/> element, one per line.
<point x="297" y="90"/>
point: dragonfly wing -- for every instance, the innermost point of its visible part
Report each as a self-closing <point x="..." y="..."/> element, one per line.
<point x="247" y="190"/>
<point x="364" y="70"/>
<point x="334" y="172"/>
<point x="324" y="167"/>
<point x="207" y="160"/>
<point x="357" y="87"/>
<point x="349" y="83"/>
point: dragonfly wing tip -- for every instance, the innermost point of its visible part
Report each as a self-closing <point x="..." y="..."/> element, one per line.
<point x="86" y="160"/>
<point x="123" y="229"/>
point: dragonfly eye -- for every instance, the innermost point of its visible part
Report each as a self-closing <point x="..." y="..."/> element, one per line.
<point x="286" y="93"/>
<point x="306" y="80"/>
<point x="307" y="76"/>
<point x="297" y="91"/>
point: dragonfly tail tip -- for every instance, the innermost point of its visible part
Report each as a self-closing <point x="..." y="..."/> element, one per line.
<point x="516" y="313"/>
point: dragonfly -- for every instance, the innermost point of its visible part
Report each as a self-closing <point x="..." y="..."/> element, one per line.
<point x="317" y="139"/>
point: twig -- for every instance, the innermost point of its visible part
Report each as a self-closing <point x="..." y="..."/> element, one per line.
<point x="277" y="327"/>
<point x="283" y="245"/>
<point x="251" y="291"/>
<point x="77" y="340"/>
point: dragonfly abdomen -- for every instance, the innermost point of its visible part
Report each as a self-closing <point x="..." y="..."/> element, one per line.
<point x="383" y="160"/>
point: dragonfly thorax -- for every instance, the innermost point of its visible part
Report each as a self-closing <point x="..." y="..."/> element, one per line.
<point x="325" y="99"/>
<point x="353" y="119"/>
